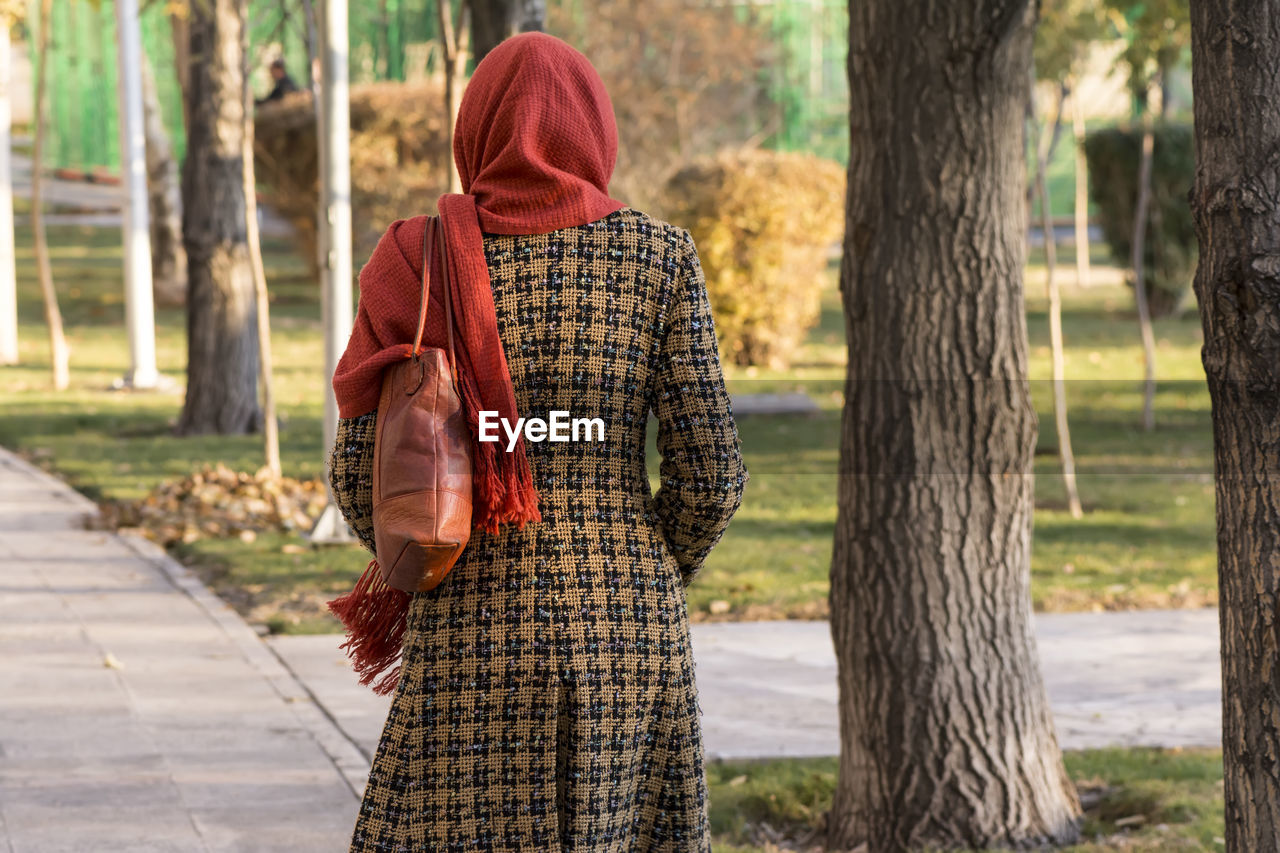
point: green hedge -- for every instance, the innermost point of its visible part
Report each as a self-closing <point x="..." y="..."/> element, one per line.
<point x="1114" y="157"/>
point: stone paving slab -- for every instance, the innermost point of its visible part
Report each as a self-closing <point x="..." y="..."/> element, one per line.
<point x="137" y="711"/>
<point x="768" y="689"/>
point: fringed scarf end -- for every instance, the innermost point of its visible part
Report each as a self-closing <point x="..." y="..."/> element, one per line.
<point x="504" y="492"/>
<point x="375" y="616"/>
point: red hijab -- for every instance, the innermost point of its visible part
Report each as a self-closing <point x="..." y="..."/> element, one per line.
<point x="535" y="144"/>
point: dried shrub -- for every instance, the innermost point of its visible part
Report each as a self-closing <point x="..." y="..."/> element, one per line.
<point x="764" y="222"/>
<point x="397" y="158"/>
<point x="686" y="80"/>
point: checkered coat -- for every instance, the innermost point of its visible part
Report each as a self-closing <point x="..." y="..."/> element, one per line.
<point x="547" y="700"/>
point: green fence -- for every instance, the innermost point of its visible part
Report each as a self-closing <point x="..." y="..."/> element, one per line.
<point x="810" y="85"/>
<point x="83" y="104"/>
<point x="390" y="40"/>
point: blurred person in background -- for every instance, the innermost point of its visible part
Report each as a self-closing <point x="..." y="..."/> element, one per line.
<point x="284" y="84"/>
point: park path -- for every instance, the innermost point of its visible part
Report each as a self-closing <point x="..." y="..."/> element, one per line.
<point x="99" y="205"/>
<point x="138" y="712"/>
<point x="768" y="689"/>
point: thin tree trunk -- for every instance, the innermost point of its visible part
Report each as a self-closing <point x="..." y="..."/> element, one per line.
<point x="270" y="424"/>
<point x="1066" y="457"/>
<point x="8" y="264"/>
<point x="1140" y="285"/>
<point x="1163" y="77"/>
<point x="453" y="42"/>
<point x="59" y="351"/>
<point x="384" y="36"/>
<point x="946" y="734"/>
<point x="164" y="190"/>
<point x="1055" y="130"/>
<point x="313" y="52"/>
<point x="1236" y="205"/>
<point x="1046" y="143"/>
<point x="1082" y="193"/>
<point x="182" y="61"/>
<point x="222" y="322"/>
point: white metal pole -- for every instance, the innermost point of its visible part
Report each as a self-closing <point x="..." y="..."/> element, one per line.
<point x="8" y="278"/>
<point x="334" y="125"/>
<point x="139" y="303"/>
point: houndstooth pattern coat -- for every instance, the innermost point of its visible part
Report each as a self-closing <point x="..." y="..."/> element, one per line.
<point x="547" y="699"/>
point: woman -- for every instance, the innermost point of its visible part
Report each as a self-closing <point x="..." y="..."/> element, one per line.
<point x="546" y="698"/>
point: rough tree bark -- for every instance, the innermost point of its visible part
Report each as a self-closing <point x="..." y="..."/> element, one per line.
<point x="1235" y="59"/>
<point x="495" y="20"/>
<point x="947" y="739"/>
<point x="222" y="334"/>
<point x="164" y="191"/>
<point x="59" y="351"/>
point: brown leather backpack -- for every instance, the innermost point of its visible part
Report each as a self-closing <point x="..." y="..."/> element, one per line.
<point x="422" y="454"/>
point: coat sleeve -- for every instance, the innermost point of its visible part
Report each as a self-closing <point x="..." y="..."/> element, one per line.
<point x="351" y="474"/>
<point x="701" y="473"/>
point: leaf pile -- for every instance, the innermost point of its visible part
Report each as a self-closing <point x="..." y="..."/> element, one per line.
<point x="216" y="502"/>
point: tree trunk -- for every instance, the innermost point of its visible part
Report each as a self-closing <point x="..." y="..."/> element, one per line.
<point x="182" y="60"/>
<point x="59" y="351"/>
<point x="1082" y="193"/>
<point x="164" y="190"/>
<point x="384" y="38"/>
<point x="262" y="301"/>
<point x="495" y="20"/>
<point x="1235" y="57"/>
<point x="313" y="55"/>
<point x="453" y="44"/>
<point x="1140" y="285"/>
<point x="1055" y="130"/>
<point x="8" y="263"/>
<point x="947" y="738"/>
<point x="1045" y="143"/>
<point x="1066" y="457"/>
<point x="222" y="333"/>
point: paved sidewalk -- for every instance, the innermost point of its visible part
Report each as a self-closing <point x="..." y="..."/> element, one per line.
<point x="137" y="711"/>
<point x="1147" y="678"/>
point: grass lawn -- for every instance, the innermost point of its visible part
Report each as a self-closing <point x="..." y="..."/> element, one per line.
<point x="1147" y="540"/>
<point x="1134" y="799"/>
